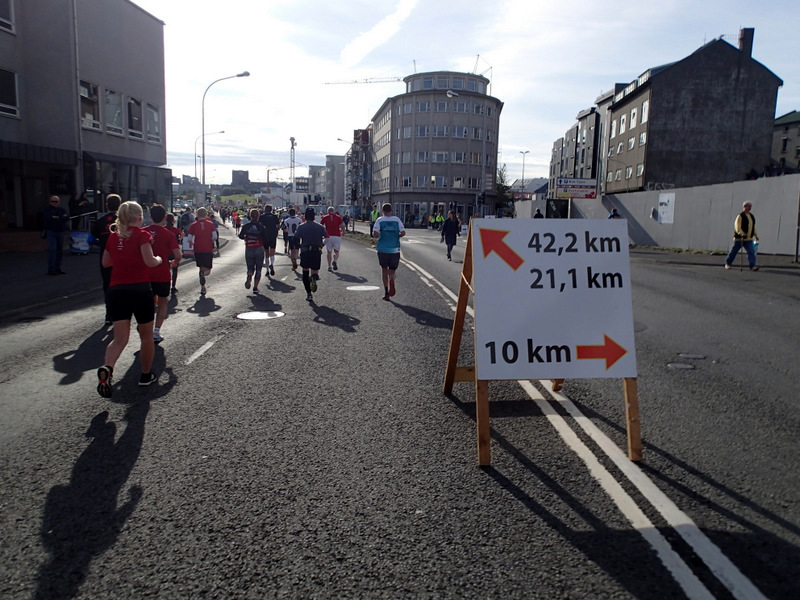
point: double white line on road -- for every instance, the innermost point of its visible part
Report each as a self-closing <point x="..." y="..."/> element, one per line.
<point x="719" y="564"/>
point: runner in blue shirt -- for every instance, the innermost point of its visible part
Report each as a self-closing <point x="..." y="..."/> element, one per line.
<point x="388" y="229"/>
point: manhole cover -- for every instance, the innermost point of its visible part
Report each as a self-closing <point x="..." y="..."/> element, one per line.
<point x="259" y="315"/>
<point x="683" y="366"/>
<point x="362" y="288"/>
<point x="691" y="356"/>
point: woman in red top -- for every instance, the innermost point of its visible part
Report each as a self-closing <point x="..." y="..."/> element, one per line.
<point x="130" y="252"/>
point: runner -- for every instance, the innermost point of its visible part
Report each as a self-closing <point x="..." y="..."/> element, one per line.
<point x="272" y="225"/>
<point x="178" y="236"/>
<point x="310" y="238"/>
<point x="129" y="252"/>
<point x="253" y="235"/>
<point x="388" y="229"/>
<point x="290" y="226"/>
<point x="165" y="245"/>
<point x="334" y="225"/>
<point x="201" y="238"/>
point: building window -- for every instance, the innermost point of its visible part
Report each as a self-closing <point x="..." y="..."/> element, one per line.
<point x="620" y="148"/>
<point x="613" y="129"/>
<point x="458" y="83"/>
<point x="645" y="110"/>
<point x="422" y="181"/>
<point x="90" y="107"/>
<point x="472" y="85"/>
<point x="438" y="181"/>
<point x="475" y="158"/>
<point x="135" y="119"/>
<point x="113" y="112"/>
<point x="476" y="133"/>
<point x="423" y="106"/>
<point x="9" y="106"/>
<point x="633" y="118"/>
<point x="407" y="181"/>
<point x="439" y="157"/>
<point x="643" y="138"/>
<point x="618" y="175"/>
<point x="407" y="132"/>
<point x="442" y="83"/>
<point x="6" y="15"/>
<point x="153" y="124"/>
<point x="406" y="157"/>
<point x="628" y="172"/>
<point x="422" y="157"/>
<point x="477" y="109"/>
<point x="797" y="152"/>
<point x="458" y="183"/>
<point x="474" y="183"/>
<point x="441" y="107"/>
<point x="427" y="83"/>
<point x="631" y="143"/>
<point x="639" y="169"/>
<point x="408" y="108"/>
<point x="440" y="131"/>
<point x="610" y="177"/>
<point x="460" y="107"/>
<point x="458" y="157"/>
<point x="459" y="131"/>
<point x="622" y="121"/>
<point x="784" y="145"/>
<point x="422" y="131"/>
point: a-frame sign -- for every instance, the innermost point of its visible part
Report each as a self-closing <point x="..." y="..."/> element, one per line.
<point x="552" y="300"/>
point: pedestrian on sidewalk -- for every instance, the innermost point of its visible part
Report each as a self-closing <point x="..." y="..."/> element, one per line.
<point x="272" y="224"/>
<point x="334" y="225"/>
<point x="451" y="229"/>
<point x="744" y="236"/>
<point x="56" y="220"/>
<point x="165" y="245"/>
<point x="129" y="252"/>
<point x="101" y="230"/>
<point x="310" y="238"/>
<point x="374" y="215"/>
<point x="388" y="229"/>
<point x="253" y="235"/>
<point x="201" y="237"/>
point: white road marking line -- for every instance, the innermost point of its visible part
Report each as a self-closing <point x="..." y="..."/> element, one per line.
<point x="202" y="350"/>
<point x="719" y="564"/>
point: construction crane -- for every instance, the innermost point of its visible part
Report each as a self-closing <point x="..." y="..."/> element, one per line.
<point x="367" y="80"/>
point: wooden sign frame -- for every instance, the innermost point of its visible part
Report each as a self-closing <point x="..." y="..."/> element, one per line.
<point x="454" y="373"/>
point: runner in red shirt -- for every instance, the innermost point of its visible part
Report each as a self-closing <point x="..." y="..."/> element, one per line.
<point x="202" y="234"/>
<point x="178" y="236"/>
<point x="334" y="225"/>
<point x="130" y="252"/>
<point x="165" y="245"/>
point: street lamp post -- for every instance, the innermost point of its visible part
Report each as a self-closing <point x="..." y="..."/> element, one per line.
<point x="195" y="150"/>
<point x="203" y="118"/>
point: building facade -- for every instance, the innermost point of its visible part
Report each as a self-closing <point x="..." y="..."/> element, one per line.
<point x="435" y="147"/>
<point x="81" y="105"/>
<point x="786" y="143"/>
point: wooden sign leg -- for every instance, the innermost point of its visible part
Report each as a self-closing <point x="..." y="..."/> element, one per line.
<point x="482" y="419"/>
<point x="632" y="419"/>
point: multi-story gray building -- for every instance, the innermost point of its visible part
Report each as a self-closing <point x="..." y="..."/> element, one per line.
<point x="705" y="119"/>
<point x="81" y="105"/>
<point x="786" y="142"/>
<point x="435" y="146"/>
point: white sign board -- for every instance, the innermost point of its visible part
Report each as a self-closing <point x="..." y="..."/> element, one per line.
<point x="666" y="208"/>
<point x="552" y="299"/>
<point x="575" y="182"/>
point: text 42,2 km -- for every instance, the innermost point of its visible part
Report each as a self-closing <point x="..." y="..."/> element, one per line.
<point x="548" y="242"/>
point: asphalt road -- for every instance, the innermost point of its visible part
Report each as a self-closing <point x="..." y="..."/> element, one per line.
<point x="313" y="455"/>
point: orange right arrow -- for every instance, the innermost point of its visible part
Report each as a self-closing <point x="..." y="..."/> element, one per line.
<point x="610" y="351"/>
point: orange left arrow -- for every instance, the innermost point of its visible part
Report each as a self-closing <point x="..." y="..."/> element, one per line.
<point x="492" y="241"/>
<point x="609" y="350"/>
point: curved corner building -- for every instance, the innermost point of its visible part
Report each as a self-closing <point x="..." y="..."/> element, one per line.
<point x="435" y="147"/>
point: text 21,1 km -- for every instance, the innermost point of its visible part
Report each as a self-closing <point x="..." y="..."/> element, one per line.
<point x="546" y="242"/>
<point x="594" y="280"/>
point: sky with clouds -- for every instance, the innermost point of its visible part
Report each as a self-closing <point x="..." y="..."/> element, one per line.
<point x="546" y="60"/>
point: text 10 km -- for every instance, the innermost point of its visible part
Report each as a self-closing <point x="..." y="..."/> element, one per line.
<point x="546" y="242"/>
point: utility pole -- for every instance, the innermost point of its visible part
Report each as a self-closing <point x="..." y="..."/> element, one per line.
<point x="291" y="164"/>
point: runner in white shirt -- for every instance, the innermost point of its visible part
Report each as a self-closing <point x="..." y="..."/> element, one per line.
<point x="290" y="226"/>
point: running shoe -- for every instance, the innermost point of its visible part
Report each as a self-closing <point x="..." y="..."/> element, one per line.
<point x="157" y="338"/>
<point x="272" y="270"/>
<point x="309" y="297"/>
<point x="386" y="297"/>
<point x="335" y="266"/>
<point x="255" y="290"/>
<point x="247" y="283"/>
<point x="104" y="381"/>
<point x="174" y="291"/>
<point x="330" y="269"/>
<point x="203" y="291"/>
<point x="391" y="287"/>
<point x="313" y="284"/>
<point x="146" y="379"/>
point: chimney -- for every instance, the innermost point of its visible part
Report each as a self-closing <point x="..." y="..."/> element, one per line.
<point x="746" y="41"/>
